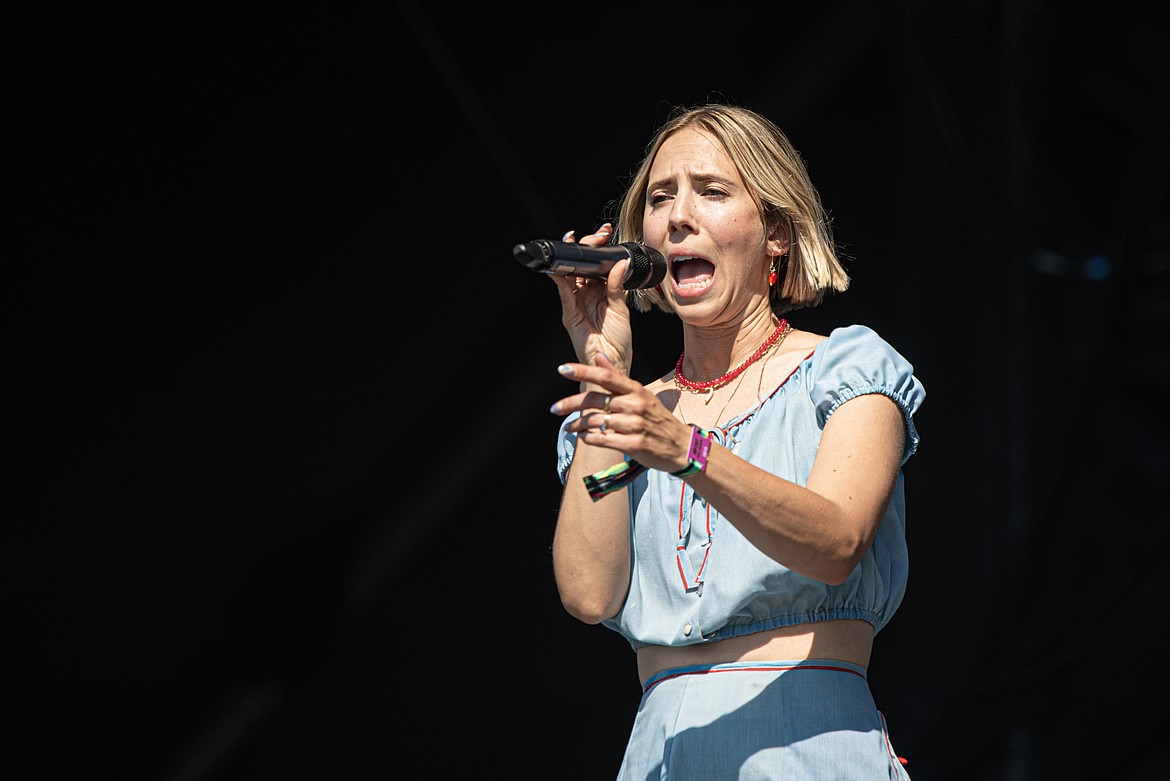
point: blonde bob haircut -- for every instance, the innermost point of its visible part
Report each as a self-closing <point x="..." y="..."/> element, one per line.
<point x="775" y="175"/>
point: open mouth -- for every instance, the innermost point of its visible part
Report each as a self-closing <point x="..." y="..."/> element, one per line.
<point x="689" y="272"/>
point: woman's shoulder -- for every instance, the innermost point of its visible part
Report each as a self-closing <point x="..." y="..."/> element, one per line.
<point x="855" y="359"/>
<point x="665" y="382"/>
<point x="802" y="342"/>
<point x="852" y="342"/>
<point x="841" y="343"/>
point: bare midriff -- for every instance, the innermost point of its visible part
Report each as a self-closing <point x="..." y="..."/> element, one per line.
<point x="847" y="641"/>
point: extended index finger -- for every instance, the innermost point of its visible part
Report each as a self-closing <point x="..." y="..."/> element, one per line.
<point x="602" y="374"/>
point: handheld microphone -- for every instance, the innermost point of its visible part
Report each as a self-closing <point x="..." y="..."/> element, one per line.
<point x="570" y="259"/>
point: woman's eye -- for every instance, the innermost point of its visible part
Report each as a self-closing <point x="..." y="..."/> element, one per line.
<point x="657" y="198"/>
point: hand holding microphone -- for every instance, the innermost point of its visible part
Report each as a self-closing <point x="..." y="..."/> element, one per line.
<point x="647" y="266"/>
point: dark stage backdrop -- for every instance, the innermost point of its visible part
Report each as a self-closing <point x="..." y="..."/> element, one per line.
<point x="283" y="471"/>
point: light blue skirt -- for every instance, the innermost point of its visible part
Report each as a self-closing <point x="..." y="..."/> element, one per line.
<point x="812" y="719"/>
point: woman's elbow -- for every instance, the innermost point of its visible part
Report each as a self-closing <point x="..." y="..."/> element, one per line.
<point x="589" y="611"/>
<point x="586" y="596"/>
<point x="835" y="576"/>
<point x="840" y="563"/>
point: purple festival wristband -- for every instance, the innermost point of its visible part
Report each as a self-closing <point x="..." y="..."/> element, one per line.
<point x="696" y="453"/>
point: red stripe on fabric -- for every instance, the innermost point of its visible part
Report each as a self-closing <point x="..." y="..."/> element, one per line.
<point x="889" y="746"/>
<point x="703" y="566"/>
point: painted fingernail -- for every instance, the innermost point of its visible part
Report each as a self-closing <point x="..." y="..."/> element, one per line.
<point x="568" y="235"/>
<point x="605" y="228"/>
<point x="555" y="408"/>
<point x="565" y="369"/>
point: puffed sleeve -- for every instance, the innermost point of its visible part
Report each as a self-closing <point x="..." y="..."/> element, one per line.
<point x="854" y="361"/>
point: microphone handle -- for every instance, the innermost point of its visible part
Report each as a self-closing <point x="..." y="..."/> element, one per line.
<point x="647" y="266"/>
<point x="569" y="258"/>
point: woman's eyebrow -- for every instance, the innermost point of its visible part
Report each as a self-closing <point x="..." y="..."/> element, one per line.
<point x="700" y="178"/>
<point x="663" y="182"/>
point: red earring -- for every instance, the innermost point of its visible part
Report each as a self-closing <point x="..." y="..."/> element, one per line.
<point x="772" y="275"/>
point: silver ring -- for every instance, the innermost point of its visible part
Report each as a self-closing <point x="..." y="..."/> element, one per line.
<point x="605" y="406"/>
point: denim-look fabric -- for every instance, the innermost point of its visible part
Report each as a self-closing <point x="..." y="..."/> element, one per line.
<point x="811" y="720"/>
<point x="723" y="586"/>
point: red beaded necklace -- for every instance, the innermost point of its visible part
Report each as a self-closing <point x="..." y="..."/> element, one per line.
<point x="710" y="385"/>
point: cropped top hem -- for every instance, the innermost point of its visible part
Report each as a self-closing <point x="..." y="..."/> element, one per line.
<point x="796" y="619"/>
<point x="777" y="665"/>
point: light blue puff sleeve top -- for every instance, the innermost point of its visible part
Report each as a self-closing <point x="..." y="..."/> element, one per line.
<point x="695" y="578"/>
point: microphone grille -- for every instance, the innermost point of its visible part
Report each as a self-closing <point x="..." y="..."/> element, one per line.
<point x="647" y="265"/>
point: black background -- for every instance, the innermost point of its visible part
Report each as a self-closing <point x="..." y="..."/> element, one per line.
<point x="284" y="479"/>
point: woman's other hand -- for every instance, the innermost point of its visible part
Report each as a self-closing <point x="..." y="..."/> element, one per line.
<point x="595" y="313"/>
<point x="619" y="413"/>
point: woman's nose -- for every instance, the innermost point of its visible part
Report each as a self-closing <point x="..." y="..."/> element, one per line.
<point x="681" y="216"/>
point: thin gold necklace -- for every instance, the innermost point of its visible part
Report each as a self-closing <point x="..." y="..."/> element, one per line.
<point x="718" y="418"/>
<point x="763" y="370"/>
<point x="759" y="387"/>
<point x="708" y="388"/>
<point x="777" y="336"/>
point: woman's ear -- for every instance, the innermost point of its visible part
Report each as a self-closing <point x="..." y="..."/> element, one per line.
<point x="777" y="243"/>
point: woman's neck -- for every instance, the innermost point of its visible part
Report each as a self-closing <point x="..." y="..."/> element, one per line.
<point x="712" y="351"/>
